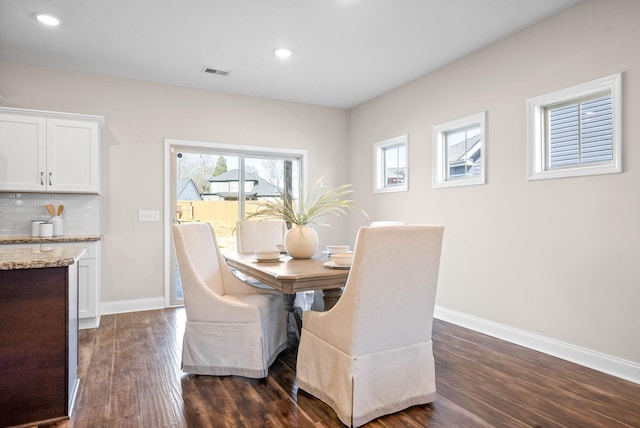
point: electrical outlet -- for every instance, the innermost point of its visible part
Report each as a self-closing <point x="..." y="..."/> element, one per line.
<point x="148" y="215"/>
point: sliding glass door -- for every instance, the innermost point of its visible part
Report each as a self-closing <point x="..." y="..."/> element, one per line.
<point x="221" y="186"/>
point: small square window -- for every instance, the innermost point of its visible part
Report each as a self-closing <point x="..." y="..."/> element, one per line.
<point x="459" y="152"/>
<point x="576" y="131"/>
<point x="390" y="157"/>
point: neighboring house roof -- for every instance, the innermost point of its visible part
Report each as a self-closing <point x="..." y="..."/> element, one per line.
<point x="261" y="189"/>
<point x="232" y="175"/>
<point x="264" y="189"/>
<point x="458" y="151"/>
<point x="186" y="190"/>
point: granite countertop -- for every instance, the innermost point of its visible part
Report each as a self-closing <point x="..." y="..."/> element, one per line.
<point x="39" y="240"/>
<point x="33" y="258"/>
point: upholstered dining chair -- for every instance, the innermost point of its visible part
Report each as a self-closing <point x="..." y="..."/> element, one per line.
<point x="260" y="235"/>
<point x="371" y="354"/>
<point x="379" y="223"/>
<point x="232" y="328"/>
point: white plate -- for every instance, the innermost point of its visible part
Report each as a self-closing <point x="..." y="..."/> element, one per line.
<point x="332" y="265"/>
<point x="259" y="260"/>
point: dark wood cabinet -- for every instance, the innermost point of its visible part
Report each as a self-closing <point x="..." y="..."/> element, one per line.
<point x="38" y="344"/>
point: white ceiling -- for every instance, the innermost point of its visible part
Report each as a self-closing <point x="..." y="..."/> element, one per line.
<point x="345" y="52"/>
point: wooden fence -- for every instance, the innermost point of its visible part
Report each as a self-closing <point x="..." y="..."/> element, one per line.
<point x="223" y="215"/>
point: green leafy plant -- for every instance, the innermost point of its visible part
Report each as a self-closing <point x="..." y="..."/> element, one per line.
<point x="319" y="201"/>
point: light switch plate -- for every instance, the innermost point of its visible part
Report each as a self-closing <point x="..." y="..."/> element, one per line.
<point x="148" y="215"/>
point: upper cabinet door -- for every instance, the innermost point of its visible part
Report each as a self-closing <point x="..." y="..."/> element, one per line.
<point x="23" y="156"/>
<point x="49" y="152"/>
<point x="72" y="156"/>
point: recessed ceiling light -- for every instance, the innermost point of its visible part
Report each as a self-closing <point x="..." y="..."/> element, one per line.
<point x="282" y="53"/>
<point x="48" y="19"/>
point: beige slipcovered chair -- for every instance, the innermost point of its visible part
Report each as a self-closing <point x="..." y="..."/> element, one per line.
<point x="371" y="354"/>
<point x="232" y="328"/>
<point x="260" y="235"/>
<point x="386" y="223"/>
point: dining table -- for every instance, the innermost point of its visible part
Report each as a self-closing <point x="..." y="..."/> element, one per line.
<point x="289" y="275"/>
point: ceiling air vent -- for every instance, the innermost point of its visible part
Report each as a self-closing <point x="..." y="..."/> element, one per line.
<point x="215" y="71"/>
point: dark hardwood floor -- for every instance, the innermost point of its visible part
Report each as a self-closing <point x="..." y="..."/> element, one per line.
<point x="130" y="377"/>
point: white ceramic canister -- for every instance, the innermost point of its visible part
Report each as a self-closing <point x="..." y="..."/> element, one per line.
<point x="56" y="221"/>
<point x="46" y="230"/>
<point x="35" y="227"/>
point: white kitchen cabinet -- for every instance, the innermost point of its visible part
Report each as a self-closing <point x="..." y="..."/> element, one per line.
<point x="49" y="152"/>
<point x="88" y="284"/>
<point x="88" y="279"/>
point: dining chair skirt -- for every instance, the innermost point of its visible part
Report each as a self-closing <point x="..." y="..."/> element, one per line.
<point x="243" y="349"/>
<point x="360" y="390"/>
<point x="371" y="354"/>
<point x="232" y="328"/>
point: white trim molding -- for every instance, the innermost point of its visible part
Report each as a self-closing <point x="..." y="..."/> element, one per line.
<point x="136" y="305"/>
<point x="93" y="322"/>
<point x="594" y="360"/>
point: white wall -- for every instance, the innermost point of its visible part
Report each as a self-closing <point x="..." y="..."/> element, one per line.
<point x="138" y="117"/>
<point x="555" y="258"/>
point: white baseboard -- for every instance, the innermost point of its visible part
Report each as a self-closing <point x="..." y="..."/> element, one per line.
<point x="124" y="306"/>
<point x="86" y="323"/>
<point x="604" y="363"/>
<point x="74" y="395"/>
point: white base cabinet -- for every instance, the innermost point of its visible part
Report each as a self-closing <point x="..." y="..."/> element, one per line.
<point x="49" y="152"/>
<point x="88" y="279"/>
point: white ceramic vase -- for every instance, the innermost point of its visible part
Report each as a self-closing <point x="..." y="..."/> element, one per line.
<point x="301" y="242"/>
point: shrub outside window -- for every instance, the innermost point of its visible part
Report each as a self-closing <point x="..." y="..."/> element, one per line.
<point x="576" y="131"/>
<point x="390" y="157"/>
<point x="459" y="152"/>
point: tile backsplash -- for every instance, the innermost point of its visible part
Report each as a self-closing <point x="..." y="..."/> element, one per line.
<point x="81" y="214"/>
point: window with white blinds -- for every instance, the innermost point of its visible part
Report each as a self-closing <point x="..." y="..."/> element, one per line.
<point x="580" y="132"/>
<point x="576" y="131"/>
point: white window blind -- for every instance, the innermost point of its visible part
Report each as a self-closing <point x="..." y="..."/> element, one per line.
<point x="581" y="133"/>
<point x="576" y="131"/>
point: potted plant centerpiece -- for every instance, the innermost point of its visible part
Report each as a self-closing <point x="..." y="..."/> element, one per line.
<point x="301" y="241"/>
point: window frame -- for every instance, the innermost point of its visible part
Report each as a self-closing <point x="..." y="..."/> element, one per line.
<point x="537" y="139"/>
<point x="441" y="178"/>
<point x="379" y="148"/>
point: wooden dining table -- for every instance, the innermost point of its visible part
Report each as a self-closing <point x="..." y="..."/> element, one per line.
<point x="290" y="275"/>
